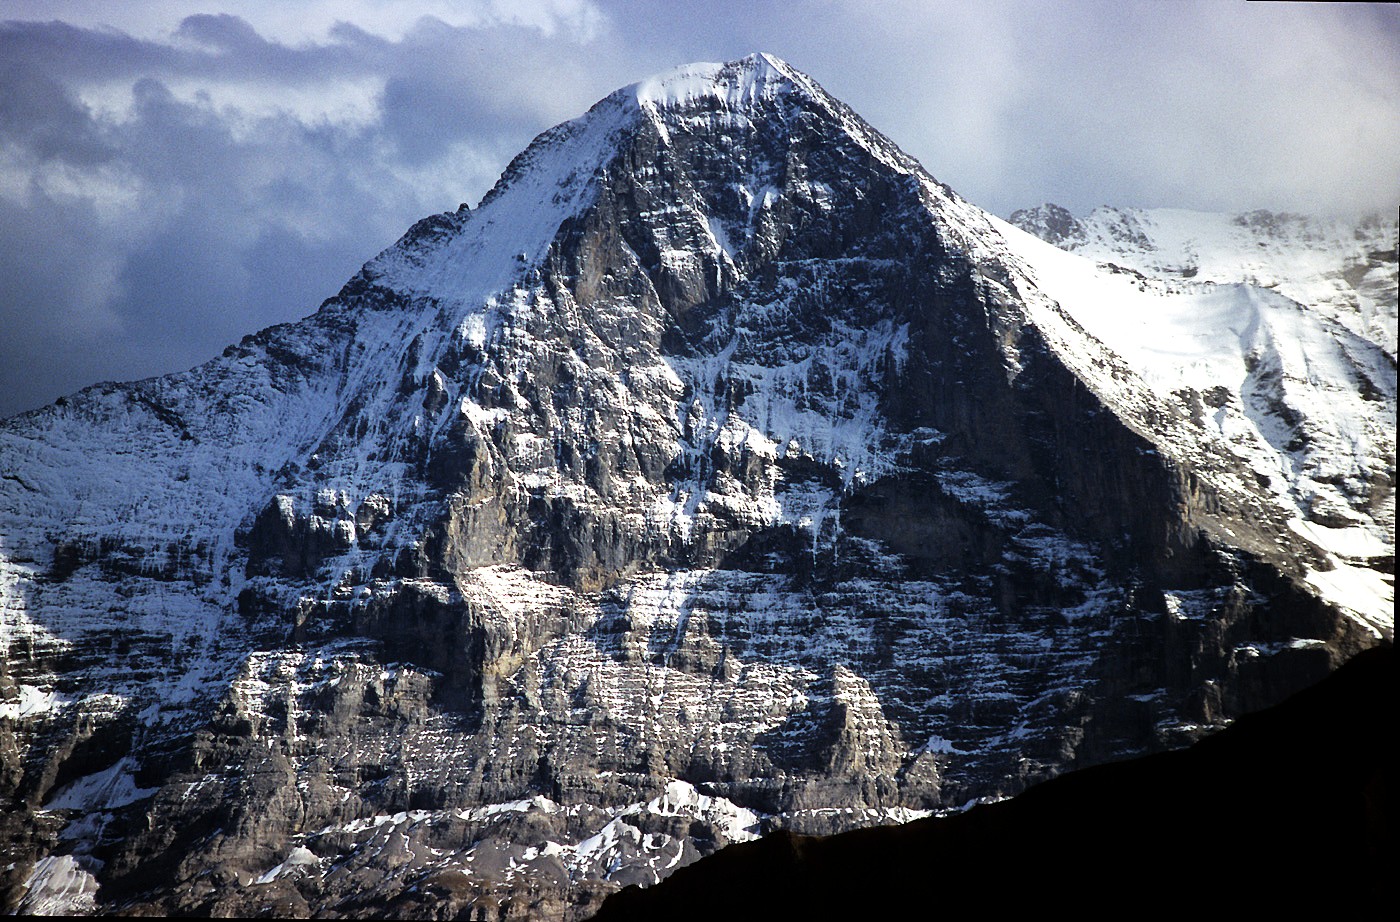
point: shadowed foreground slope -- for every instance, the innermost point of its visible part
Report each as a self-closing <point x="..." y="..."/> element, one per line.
<point x="1291" y="807"/>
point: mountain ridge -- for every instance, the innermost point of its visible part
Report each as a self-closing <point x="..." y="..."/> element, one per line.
<point x="1311" y="408"/>
<point x="1335" y="265"/>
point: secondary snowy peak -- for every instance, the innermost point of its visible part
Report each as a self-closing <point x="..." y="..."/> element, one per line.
<point x="1346" y="269"/>
<point x="1050" y="223"/>
<point x="1272" y="333"/>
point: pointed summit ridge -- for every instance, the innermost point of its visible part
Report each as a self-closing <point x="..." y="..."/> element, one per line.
<point x="736" y="83"/>
<point x="556" y="178"/>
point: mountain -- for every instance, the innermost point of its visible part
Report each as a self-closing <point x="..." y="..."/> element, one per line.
<point x="720" y="473"/>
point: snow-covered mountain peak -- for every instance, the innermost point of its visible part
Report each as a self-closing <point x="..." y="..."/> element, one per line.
<point x="762" y="104"/>
<point x="1274" y="332"/>
<point x="1345" y="269"/>
<point x="467" y="255"/>
<point x="735" y="84"/>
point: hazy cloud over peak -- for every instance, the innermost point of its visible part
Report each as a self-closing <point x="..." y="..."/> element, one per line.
<point x="172" y="179"/>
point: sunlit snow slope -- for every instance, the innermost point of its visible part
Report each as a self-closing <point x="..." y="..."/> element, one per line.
<point x="1343" y="269"/>
<point x="1276" y="334"/>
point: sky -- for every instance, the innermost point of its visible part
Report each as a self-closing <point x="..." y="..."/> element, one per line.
<point x="175" y="175"/>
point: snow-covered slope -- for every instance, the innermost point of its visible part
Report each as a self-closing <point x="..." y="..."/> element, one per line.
<point x="1302" y="399"/>
<point x="1343" y="269"/>
<point x="721" y="471"/>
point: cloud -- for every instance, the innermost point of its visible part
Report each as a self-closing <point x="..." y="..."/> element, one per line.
<point x="200" y="238"/>
<point x="40" y="118"/>
<point x="172" y="185"/>
<point x="1208" y="105"/>
<point x="162" y="199"/>
<point x="1227" y="107"/>
<point x="309" y="21"/>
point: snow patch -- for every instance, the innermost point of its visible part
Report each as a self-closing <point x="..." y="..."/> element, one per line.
<point x="108" y="789"/>
<point x="31" y="702"/>
<point x="59" y="885"/>
<point x="300" y="857"/>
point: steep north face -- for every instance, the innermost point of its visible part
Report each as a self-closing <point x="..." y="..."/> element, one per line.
<point x="721" y="472"/>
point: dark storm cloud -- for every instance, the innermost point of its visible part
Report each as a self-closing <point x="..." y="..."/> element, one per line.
<point x="175" y="267"/>
<point x="39" y="116"/>
<point x="207" y="46"/>
<point x="45" y="306"/>
<point x="455" y="84"/>
<point x="80" y="53"/>
<point x="144" y="241"/>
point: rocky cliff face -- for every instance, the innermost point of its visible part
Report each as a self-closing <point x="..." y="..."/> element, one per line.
<point x="1109" y="833"/>
<point x="720" y="472"/>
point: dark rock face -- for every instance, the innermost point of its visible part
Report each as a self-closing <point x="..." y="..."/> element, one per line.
<point x="1049" y="222"/>
<point x="711" y="478"/>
